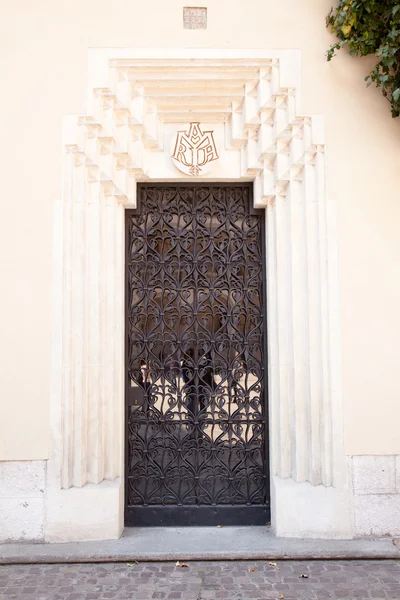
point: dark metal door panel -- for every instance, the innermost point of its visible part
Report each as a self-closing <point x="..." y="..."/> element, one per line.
<point x="196" y="436"/>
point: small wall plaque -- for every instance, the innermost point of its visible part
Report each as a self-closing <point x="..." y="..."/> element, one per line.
<point x="194" y="17"/>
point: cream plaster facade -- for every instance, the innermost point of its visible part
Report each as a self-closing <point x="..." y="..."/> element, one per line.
<point x="352" y="316"/>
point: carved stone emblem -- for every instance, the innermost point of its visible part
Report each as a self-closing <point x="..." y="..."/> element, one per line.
<point x="192" y="150"/>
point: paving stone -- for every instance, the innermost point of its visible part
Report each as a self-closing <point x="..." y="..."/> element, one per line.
<point x="230" y="580"/>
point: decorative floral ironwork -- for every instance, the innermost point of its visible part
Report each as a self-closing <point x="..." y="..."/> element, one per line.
<point x="195" y="348"/>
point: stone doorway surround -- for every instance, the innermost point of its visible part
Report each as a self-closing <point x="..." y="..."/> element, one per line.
<point x="137" y="99"/>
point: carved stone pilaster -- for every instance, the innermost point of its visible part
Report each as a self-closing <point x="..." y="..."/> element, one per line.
<point x="92" y="352"/>
<point x="298" y="327"/>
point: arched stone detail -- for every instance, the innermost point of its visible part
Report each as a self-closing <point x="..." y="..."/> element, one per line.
<point x="252" y="99"/>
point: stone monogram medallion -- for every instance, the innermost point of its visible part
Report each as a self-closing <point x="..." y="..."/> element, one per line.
<point x="193" y="150"/>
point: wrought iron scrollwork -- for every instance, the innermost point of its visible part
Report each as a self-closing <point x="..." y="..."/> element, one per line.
<point x="195" y="348"/>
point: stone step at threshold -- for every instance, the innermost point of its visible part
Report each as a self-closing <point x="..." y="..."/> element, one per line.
<point x="199" y="543"/>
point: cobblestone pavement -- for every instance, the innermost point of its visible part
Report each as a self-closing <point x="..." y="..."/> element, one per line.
<point x="230" y="580"/>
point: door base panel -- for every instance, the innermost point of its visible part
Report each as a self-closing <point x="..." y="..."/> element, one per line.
<point x="184" y="516"/>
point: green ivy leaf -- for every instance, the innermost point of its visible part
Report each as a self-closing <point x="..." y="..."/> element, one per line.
<point x="371" y="27"/>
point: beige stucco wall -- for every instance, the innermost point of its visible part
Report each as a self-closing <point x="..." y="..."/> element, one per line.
<point x="44" y="70"/>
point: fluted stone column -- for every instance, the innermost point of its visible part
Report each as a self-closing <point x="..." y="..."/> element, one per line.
<point x="298" y="339"/>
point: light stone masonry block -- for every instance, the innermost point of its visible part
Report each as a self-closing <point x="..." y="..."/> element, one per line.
<point x="22" y="479"/>
<point x="21" y="520"/>
<point x="377" y="515"/>
<point x="22" y="485"/>
<point x="397" y="460"/>
<point x="374" y="475"/>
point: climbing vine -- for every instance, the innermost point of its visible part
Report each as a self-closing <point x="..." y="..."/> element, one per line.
<point x="371" y="27"/>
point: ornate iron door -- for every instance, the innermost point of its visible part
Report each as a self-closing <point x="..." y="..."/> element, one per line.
<point x="196" y="436"/>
